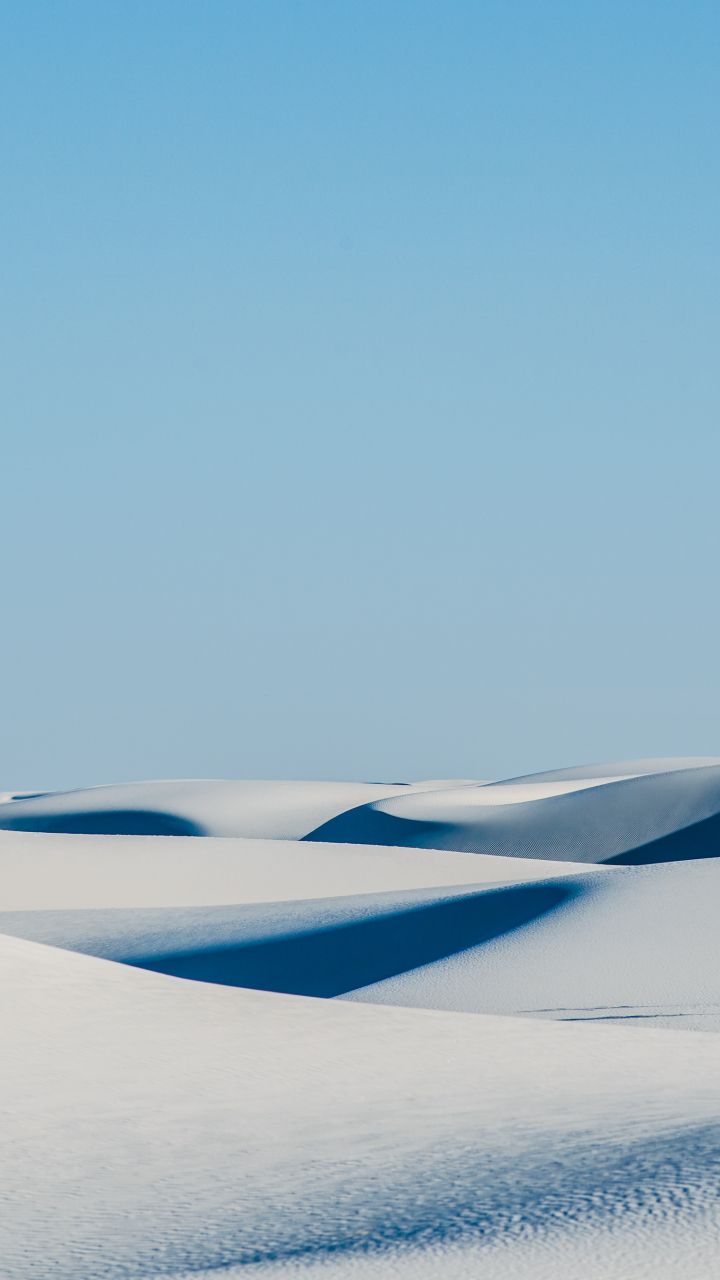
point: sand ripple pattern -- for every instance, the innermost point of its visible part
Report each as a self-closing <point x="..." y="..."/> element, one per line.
<point x="444" y="1029"/>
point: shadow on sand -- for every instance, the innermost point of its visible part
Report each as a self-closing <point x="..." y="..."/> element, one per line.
<point x="104" y="822"/>
<point x="698" y="840"/>
<point x="321" y="947"/>
<point x="330" y="961"/>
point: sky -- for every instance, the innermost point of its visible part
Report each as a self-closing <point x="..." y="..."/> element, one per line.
<point x="360" y="387"/>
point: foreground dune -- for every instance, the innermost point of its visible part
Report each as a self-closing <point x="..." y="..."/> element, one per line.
<point x="160" y="1127"/>
<point x="182" y="1097"/>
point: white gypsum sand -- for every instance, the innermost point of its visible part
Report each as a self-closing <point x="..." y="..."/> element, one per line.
<point x="155" y="1126"/>
<point x="178" y="1102"/>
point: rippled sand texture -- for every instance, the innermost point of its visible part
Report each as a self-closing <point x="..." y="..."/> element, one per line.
<point x="443" y="1029"/>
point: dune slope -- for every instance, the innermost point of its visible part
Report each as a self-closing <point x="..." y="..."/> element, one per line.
<point x="612" y="945"/>
<point x="157" y="1127"/>
<point x="633" y="813"/>
<point x="640" y="945"/>
<point x="191" y="807"/>
<point x="48" y="872"/>
<point x="510" y="1087"/>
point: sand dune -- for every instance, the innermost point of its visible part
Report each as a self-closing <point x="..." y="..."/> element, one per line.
<point x="41" y="872"/>
<point x="612" y="945"/>
<point x="640" y="945"/>
<point x="184" y="1098"/>
<point x="626" y="813"/>
<point x="321" y="947"/>
<point x="644" y="811"/>
<point x="194" y="807"/>
<point x="159" y="1127"/>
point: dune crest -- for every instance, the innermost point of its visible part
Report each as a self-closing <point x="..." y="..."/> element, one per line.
<point x="329" y="1030"/>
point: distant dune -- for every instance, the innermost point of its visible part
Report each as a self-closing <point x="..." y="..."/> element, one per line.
<point x="183" y="1097"/>
<point x="631" y="813"/>
<point x="194" y="807"/>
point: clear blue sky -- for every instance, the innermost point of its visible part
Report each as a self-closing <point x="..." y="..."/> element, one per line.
<point x="360" y="387"/>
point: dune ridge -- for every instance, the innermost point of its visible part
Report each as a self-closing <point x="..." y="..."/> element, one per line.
<point x="435" y="1030"/>
<point x="626" y="814"/>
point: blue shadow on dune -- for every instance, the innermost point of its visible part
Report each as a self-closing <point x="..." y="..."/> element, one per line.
<point x="368" y="825"/>
<point x="329" y="961"/>
<point x="322" y="947"/>
<point x="698" y="840"/>
<point x="104" y="822"/>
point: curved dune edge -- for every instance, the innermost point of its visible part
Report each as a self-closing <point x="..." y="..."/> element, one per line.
<point x="626" y="814"/>
<point x="53" y="872"/>
<point x="268" y="1055"/>
<point x="640" y="947"/>
<point x="322" y="947"/>
<point x="281" y="810"/>
<point x="605" y="946"/>
<point x="179" y="1126"/>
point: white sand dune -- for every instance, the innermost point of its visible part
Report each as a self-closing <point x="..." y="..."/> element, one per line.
<point x="196" y="807"/>
<point x="179" y="1102"/>
<point x="628" y="813"/>
<point x="640" y="945"/>
<point x="156" y="1127"/>
<point x="612" y="945"/>
<point x="641" y="811"/>
<point x="43" y="872"/>
<point x="317" y="947"/>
